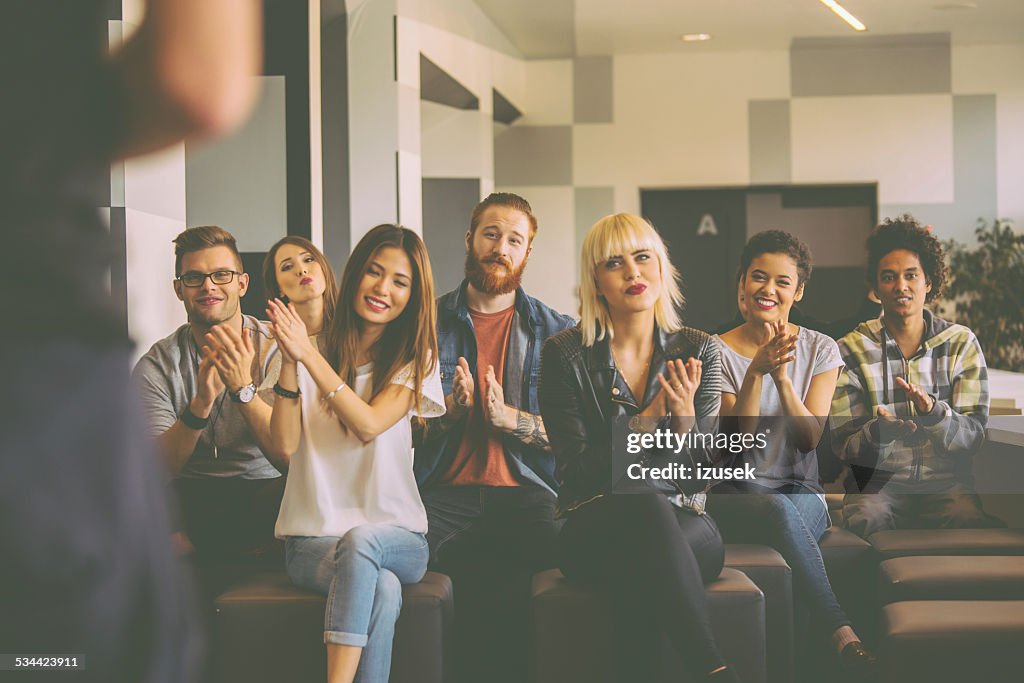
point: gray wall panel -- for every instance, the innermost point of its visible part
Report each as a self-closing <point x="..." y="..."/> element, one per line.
<point x="118" y="262"/>
<point x="533" y="155"/>
<point x="592" y="203"/>
<point x="240" y="182"/>
<point x="592" y="90"/>
<point x="770" y="153"/>
<point x="835" y="234"/>
<point x="334" y="131"/>
<point x="974" y="173"/>
<point x="447" y="205"/>
<point x="974" y="153"/>
<point x="870" y="65"/>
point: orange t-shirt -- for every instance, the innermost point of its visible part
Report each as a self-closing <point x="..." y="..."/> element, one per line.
<point x="480" y="460"/>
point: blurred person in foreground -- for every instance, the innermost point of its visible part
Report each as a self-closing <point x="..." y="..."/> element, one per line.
<point x="88" y="568"/>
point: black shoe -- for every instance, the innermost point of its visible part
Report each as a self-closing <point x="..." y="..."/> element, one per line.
<point x="858" y="662"/>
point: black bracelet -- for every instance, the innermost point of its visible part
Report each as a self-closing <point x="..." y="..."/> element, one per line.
<point x="285" y="393"/>
<point x="193" y="421"/>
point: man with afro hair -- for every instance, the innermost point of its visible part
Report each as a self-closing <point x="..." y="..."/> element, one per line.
<point x="912" y="404"/>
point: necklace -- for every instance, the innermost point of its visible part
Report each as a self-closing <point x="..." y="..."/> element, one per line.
<point x="638" y="370"/>
<point x="218" y="407"/>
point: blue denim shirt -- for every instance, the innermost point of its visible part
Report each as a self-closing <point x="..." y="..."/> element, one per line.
<point x="532" y="323"/>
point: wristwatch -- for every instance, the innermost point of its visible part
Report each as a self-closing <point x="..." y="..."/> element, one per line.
<point x="245" y="394"/>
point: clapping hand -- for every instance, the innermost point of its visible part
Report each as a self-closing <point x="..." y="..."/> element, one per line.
<point x="463" y="387"/>
<point x="232" y="353"/>
<point x="679" y="384"/>
<point x="921" y="399"/>
<point x="496" y="413"/>
<point x="210" y="386"/>
<point x="777" y="348"/>
<point x="891" y="427"/>
<point x="290" y="331"/>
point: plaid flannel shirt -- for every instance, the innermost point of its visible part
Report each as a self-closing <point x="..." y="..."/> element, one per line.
<point x="949" y="365"/>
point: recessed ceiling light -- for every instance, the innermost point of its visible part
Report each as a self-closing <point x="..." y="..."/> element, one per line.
<point x="696" y="37"/>
<point x="845" y="15"/>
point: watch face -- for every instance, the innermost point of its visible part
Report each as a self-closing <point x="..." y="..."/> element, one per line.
<point x="247" y="393"/>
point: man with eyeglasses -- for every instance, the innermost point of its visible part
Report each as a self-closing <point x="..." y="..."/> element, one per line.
<point x="207" y="398"/>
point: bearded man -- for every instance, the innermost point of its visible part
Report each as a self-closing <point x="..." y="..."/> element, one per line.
<point x="485" y="469"/>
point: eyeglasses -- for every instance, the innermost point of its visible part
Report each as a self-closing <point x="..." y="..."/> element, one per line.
<point x="217" y="277"/>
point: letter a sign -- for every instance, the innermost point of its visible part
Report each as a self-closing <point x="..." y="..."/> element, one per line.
<point x="707" y="226"/>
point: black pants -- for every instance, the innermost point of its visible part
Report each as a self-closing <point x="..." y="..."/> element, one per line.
<point x="653" y="560"/>
<point x="230" y="522"/>
<point x="229" y="516"/>
<point x="491" y="541"/>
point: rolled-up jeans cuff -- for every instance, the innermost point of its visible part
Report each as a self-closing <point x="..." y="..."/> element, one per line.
<point x="343" y="638"/>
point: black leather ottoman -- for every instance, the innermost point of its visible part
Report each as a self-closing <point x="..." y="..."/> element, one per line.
<point x="572" y="631"/>
<point x="266" y="631"/>
<point x="951" y="578"/>
<point x="903" y="542"/>
<point x="951" y="641"/>
<point x="772" y="575"/>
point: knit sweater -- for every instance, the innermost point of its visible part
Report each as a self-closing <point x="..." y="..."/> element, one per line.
<point x="949" y="365"/>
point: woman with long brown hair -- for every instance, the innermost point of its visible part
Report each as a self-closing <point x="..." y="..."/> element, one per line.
<point x="351" y="515"/>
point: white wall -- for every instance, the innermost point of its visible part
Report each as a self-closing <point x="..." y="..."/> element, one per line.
<point x="998" y="69"/>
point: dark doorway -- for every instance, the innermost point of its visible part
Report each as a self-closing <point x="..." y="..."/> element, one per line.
<point x="706" y="228"/>
<point x="705" y="231"/>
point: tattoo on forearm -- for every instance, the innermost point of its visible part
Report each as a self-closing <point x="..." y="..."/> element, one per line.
<point x="530" y="430"/>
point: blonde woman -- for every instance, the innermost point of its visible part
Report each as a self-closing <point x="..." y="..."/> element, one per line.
<point x="631" y="356"/>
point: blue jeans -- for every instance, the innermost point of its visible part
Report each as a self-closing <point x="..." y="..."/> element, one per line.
<point x="362" y="575"/>
<point x="791" y="523"/>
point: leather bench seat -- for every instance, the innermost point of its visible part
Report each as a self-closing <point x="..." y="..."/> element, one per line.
<point x="769" y="572"/>
<point x="951" y="641"/>
<point x="266" y="630"/>
<point x="571" y="639"/>
<point x="952" y="578"/>
<point x="903" y="542"/>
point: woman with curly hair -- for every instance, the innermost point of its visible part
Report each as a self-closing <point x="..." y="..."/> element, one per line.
<point x="913" y="401"/>
<point x="777" y="381"/>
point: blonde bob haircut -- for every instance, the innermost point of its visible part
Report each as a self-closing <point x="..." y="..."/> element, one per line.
<point x="618" y="235"/>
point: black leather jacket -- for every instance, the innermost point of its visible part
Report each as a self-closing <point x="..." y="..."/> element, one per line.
<point x="581" y="392"/>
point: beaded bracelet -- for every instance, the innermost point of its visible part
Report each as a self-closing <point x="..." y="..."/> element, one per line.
<point x="285" y="393"/>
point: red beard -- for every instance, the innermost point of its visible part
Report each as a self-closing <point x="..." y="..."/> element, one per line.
<point x="497" y="280"/>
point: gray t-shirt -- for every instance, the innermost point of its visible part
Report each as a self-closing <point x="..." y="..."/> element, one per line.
<point x="781" y="462"/>
<point x="167" y="377"/>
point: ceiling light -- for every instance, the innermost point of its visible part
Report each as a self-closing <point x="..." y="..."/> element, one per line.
<point x="696" y="37"/>
<point x="845" y="15"/>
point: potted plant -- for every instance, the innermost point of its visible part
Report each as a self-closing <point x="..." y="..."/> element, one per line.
<point x="986" y="292"/>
